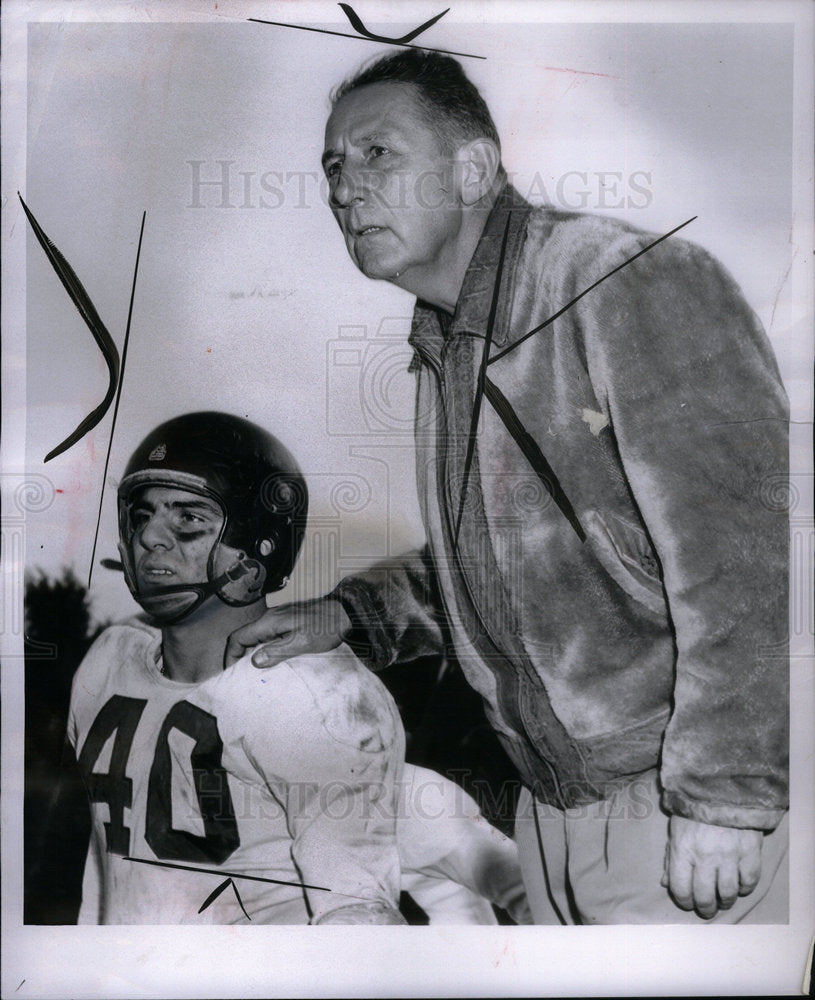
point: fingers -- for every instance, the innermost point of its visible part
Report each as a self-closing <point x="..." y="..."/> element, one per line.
<point x="680" y="880"/>
<point x="285" y="646"/>
<point x="703" y="888"/>
<point x="707" y="867"/>
<point x="234" y="649"/>
<point x="728" y="885"/>
<point x="268" y="628"/>
<point x="288" y="643"/>
<point x="705" y="900"/>
<point x="750" y="868"/>
<point x="289" y="630"/>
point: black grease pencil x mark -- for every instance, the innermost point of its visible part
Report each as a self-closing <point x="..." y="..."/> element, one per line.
<point x="218" y="871"/>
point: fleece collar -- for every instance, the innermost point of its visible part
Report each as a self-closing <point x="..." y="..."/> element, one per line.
<point x="476" y="297"/>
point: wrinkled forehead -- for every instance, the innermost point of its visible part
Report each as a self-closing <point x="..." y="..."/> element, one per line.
<point x="375" y="107"/>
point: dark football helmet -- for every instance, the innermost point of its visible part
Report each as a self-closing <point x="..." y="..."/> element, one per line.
<point x="259" y="488"/>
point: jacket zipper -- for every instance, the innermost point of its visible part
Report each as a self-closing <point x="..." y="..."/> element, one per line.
<point x="434" y="361"/>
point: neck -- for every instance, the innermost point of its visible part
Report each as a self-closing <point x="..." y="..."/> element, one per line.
<point x="439" y="283"/>
<point x="193" y="649"/>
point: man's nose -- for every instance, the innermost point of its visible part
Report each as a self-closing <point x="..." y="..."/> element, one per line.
<point x="350" y="186"/>
<point x="156" y="534"/>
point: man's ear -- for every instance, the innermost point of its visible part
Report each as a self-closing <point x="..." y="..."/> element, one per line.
<point x="478" y="163"/>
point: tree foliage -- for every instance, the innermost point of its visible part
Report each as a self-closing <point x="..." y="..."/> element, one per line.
<point x="58" y="632"/>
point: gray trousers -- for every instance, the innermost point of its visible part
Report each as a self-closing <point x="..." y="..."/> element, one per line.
<point x="602" y="864"/>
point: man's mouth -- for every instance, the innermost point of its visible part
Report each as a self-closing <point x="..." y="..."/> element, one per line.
<point x="155" y="572"/>
<point x="368" y="231"/>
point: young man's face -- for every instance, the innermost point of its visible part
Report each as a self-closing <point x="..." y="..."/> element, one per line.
<point x="392" y="190"/>
<point x="173" y="537"/>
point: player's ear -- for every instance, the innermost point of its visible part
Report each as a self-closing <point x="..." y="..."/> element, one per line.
<point x="477" y="162"/>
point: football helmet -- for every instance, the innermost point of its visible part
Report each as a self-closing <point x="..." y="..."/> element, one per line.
<point x="259" y="488"/>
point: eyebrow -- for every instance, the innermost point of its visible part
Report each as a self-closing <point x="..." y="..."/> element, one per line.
<point x="379" y="133"/>
<point x="329" y="154"/>
<point x="194" y="505"/>
<point x="204" y="505"/>
<point x="383" y="134"/>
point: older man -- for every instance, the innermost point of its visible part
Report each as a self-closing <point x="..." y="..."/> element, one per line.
<point x="598" y="415"/>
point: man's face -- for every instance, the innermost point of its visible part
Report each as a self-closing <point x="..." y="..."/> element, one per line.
<point x="393" y="192"/>
<point x="174" y="534"/>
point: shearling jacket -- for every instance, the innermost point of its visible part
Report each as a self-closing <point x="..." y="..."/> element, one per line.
<point x="601" y="438"/>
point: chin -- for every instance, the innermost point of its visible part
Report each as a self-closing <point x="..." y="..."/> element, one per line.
<point x="164" y="608"/>
<point x="375" y="265"/>
<point x="380" y="271"/>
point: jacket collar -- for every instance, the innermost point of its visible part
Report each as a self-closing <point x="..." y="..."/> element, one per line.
<point x="431" y="327"/>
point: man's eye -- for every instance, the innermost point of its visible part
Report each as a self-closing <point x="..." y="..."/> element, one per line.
<point x="376" y="151"/>
<point x="187" y="517"/>
<point x="332" y="169"/>
<point x="139" y="518"/>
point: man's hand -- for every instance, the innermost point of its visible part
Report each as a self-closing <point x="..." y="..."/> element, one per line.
<point x="291" y="630"/>
<point x="708" y="867"/>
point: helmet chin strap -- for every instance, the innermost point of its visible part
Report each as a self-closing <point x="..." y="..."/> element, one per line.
<point x="201" y="591"/>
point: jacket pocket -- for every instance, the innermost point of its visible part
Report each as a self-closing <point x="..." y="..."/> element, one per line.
<point x="624" y="552"/>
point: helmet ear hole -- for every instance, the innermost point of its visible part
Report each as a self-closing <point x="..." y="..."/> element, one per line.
<point x="244" y="586"/>
<point x="266" y="546"/>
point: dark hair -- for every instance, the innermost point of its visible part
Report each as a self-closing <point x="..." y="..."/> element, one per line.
<point x="452" y="105"/>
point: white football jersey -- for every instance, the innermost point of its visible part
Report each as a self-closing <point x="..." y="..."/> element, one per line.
<point x="270" y="796"/>
<point x="265" y="795"/>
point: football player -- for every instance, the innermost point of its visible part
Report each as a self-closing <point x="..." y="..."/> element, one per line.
<point x="223" y="796"/>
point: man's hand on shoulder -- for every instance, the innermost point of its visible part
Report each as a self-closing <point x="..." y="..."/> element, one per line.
<point x="290" y="630"/>
<point x="708" y="867"/>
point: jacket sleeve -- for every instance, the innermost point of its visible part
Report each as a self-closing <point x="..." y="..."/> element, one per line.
<point x="700" y="418"/>
<point x="330" y="749"/>
<point x="395" y="610"/>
